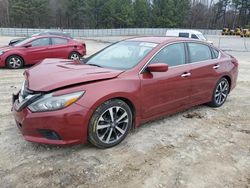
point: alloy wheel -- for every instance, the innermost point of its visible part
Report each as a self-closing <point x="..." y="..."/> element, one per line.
<point x="112" y="125"/>
<point x="221" y="92"/>
<point x="74" y="56"/>
<point x="15" y="62"/>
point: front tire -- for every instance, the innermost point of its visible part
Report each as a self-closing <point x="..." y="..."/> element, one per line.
<point x="110" y="123"/>
<point x="220" y="93"/>
<point x="14" y="62"/>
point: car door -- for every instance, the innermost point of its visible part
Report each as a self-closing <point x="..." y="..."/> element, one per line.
<point x="166" y="92"/>
<point x="204" y="70"/>
<point x="59" y="47"/>
<point x="39" y="50"/>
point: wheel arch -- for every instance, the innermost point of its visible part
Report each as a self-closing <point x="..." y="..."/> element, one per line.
<point x="15" y="54"/>
<point x="129" y="101"/>
<point x="229" y="81"/>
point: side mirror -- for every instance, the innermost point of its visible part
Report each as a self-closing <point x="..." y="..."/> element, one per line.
<point x="27" y="45"/>
<point x="158" y="67"/>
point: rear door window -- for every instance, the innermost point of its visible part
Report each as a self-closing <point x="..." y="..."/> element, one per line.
<point x="185" y="35"/>
<point x="59" y="41"/>
<point x="172" y="55"/>
<point x="199" y="52"/>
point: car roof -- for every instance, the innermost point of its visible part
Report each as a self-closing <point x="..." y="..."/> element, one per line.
<point x="52" y="32"/>
<point x="160" y="39"/>
<point x="185" y="30"/>
<point x="48" y="35"/>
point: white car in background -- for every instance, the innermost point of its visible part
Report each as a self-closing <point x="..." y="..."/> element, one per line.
<point x="187" y="33"/>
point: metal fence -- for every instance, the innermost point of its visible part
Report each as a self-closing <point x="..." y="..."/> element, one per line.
<point x="235" y="43"/>
<point x="98" y="32"/>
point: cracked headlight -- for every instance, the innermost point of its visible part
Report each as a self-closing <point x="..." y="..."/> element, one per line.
<point x="48" y="102"/>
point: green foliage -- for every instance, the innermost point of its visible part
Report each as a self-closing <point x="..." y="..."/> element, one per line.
<point x="98" y="13"/>
<point x="122" y="13"/>
<point x="142" y="11"/>
<point x="29" y="13"/>
<point x="169" y="13"/>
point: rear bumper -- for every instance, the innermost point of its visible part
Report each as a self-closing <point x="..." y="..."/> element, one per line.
<point x="62" y="127"/>
<point x="234" y="77"/>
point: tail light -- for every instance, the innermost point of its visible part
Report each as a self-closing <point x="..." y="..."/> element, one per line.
<point x="84" y="49"/>
<point x="84" y="45"/>
<point x="235" y="61"/>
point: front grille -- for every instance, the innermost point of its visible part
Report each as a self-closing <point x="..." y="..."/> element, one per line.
<point x="25" y="97"/>
<point x="25" y="91"/>
<point x="20" y="125"/>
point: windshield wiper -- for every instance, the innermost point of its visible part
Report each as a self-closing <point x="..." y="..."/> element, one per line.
<point x="94" y="65"/>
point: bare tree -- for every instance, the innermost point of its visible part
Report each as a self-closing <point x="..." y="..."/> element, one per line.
<point x="4" y="13"/>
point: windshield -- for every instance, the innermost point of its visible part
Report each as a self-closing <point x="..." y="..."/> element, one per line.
<point x="21" y="43"/>
<point x="123" y="55"/>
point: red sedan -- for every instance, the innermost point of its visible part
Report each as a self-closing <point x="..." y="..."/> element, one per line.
<point x="128" y="83"/>
<point x="35" y="49"/>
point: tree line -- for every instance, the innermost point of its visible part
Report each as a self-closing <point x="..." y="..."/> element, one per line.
<point x="80" y="14"/>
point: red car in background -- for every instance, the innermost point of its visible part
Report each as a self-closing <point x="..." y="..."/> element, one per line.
<point x="33" y="50"/>
<point x="119" y="88"/>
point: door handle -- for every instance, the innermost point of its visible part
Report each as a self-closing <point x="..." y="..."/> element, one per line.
<point x="186" y="74"/>
<point x="216" y="66"/>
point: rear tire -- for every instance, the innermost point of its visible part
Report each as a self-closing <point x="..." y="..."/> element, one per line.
<point x="110" y="123"/>
<point x="74" y="56"/>
<point x="220" y="93"/>
<point x="14" y="62"/>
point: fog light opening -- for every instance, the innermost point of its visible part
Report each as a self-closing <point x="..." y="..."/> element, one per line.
<point x="49" y="134"/>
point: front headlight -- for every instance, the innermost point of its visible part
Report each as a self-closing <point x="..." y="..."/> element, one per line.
<point x="1" y="52"/>
<point x="49" y="102"/>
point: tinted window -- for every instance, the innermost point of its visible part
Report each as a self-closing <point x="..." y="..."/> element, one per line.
<point x="199" y="52"/>
<point x="193" y="36"/>
<point x="215" y="53"/>
<point x="58" y="41"/>
<point x="41" y="42"/>
<point x="186" y="35"/>
<point x="172" y="55"/>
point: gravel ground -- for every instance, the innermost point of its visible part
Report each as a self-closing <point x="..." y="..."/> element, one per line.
<point x="201" y="147"/>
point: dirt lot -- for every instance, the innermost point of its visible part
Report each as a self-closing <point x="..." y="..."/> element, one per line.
<point x="201" y="147"/>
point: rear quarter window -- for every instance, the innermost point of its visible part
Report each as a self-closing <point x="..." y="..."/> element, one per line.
<point x="216" y="53"/>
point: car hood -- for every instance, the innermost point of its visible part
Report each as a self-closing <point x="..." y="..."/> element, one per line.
<point x="5" y="48"/>
<point x="52" y="74"/>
